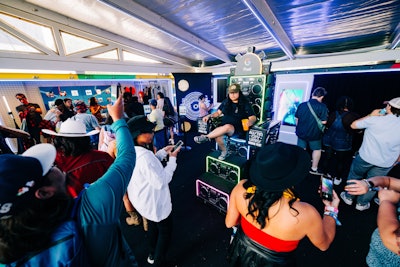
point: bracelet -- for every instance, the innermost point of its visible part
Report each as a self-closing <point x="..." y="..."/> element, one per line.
<point x="334" y="215"/>
<point x="332" y="209"/>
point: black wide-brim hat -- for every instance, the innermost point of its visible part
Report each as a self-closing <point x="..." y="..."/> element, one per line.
<point x="140" y="124"/>
<point x="279" y="166"/>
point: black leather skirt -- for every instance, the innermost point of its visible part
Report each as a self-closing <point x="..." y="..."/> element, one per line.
<point x="247" y="253"/>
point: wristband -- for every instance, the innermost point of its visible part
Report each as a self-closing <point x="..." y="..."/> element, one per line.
<point x="332" y="209"/>
<point x="334" y="215"/>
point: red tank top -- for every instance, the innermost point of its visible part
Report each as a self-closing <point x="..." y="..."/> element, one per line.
<point x="267" y="240"/>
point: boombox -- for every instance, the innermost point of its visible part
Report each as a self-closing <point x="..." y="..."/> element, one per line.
<point x="236" y="146"/>
<point x="231" y="169"/>
<point x="263" y="134"/>
<point x="214" y="190"/>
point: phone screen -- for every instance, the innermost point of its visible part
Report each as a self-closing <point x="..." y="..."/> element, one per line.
<point x="326" y="188"/>
<point x="177" y="145"/>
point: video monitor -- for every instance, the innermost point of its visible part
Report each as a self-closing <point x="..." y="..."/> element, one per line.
<point x="288" y="101"/>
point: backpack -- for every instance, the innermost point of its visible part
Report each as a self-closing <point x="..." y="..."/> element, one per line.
<point x="66" y="249"/>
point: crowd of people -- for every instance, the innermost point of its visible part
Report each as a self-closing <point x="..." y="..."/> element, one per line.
<point x="59" y="201"/>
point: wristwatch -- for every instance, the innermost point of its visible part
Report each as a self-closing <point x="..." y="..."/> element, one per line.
<point x="371" y="185"/>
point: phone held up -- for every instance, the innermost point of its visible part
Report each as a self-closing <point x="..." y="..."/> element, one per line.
<point x="177" y="145"/>
<point x="326" y="187"/>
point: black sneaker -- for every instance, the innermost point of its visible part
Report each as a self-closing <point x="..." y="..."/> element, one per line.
<point x="316" y="172"/>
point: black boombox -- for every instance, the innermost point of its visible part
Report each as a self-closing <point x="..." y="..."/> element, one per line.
<point x="231" y="169"/>
<point x="206" y="127"/>
<point x="214" y="190"/>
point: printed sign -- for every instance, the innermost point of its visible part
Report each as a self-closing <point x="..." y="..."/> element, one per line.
<point x="256" y="137"/>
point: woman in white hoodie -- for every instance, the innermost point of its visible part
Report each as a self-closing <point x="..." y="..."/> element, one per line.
<point x="148" y="189"/>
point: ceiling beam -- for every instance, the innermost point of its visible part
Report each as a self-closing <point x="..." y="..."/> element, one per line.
<point x="264" y="14"/>
<point x="147" y="16"/>
<point x="395" y="38"/>
<point x="80" y="65"/>
<point x="26" y="39"/>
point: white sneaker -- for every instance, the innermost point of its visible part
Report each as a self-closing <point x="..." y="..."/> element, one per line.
<point x="346" y="200"/>
<point x="362" y="207"/>
<point x="150" y="259"/>
<point x="223" y="155"/>
<point x="337" y="181"/>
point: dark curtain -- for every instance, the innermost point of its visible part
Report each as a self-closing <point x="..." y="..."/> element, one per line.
<point x="368" y="90"/>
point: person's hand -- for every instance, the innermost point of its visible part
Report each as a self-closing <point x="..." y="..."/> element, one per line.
<point x="172" y="153"/>
<point x="356" y="187"/>
<point x="205" y="118"/>
<point x="335" y="200"/>
<point x="389" y="195"/>
<point x="376" y="112"/>
<point x="168" y="148"/>
<point x="116" y="111"/>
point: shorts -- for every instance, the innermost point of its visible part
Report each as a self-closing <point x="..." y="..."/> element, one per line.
<point x="313" y="145"/>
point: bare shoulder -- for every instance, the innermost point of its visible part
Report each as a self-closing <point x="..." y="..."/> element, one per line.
<point x="305" y="209"/>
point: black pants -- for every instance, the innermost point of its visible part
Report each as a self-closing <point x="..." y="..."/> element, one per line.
<point x="159" y="237"/>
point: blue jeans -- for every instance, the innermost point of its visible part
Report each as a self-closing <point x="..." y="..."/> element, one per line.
<point x="361" y="169"/>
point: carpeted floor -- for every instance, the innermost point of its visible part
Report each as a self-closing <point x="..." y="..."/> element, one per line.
<point x="200" y="238"/>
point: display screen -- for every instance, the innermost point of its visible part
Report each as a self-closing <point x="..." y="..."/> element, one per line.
<point x="289" y="100"/>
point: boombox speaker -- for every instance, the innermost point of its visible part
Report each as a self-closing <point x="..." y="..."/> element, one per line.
<point x="231" y="169"/>
<point x="214" y="190"/>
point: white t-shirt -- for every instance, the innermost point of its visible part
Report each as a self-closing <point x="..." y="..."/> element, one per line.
<point x="381" y="142"/>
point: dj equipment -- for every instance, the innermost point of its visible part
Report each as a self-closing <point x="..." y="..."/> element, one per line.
<point x="214" y="190"/>
<point x="231" y="169"/>
<point x="264" y="133"/>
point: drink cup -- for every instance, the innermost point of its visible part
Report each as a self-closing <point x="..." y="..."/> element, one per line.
<point x="245" y="124"/>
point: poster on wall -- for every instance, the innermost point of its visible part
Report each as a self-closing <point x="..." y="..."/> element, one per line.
<point x="189" y="86"/>
<point x="84" y="93"/>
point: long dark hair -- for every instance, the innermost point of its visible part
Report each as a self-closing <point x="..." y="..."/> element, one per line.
<point x="260" y="202"/>
<point x="73" y="146"/>
<point x="242" y="101"/>
<point x="30" y="229"/>
<point x="93" y="101"/>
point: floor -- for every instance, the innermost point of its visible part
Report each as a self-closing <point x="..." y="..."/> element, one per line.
<point x="200" y="238"/>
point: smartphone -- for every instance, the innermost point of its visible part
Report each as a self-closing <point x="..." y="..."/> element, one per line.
<point x="382" y="111"/>
<point x="177" y="145"/>
<point x="326" y="187"/>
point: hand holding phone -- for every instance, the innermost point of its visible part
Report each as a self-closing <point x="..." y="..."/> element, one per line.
<point x="326" y="187"/>
<point x="177" y="145"/>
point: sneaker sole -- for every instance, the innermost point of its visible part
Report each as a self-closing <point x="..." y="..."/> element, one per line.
<point x="345" y="199"/>
<point x="362" y="208"/>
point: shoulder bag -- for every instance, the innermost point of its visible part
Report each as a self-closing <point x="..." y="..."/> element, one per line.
<point x="321" y="126"/>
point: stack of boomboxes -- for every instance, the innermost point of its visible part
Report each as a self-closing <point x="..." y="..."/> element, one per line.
<point x="214" y="186"/>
